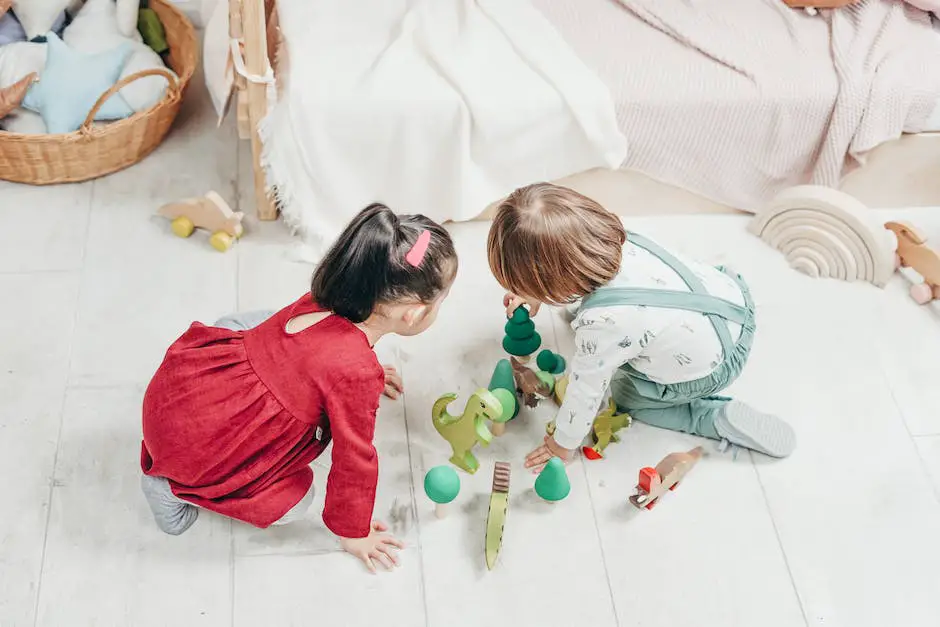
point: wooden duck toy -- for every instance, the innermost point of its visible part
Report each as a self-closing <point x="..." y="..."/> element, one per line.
<point x="912" y="252"/>
<point x="654" y="482"/>
<point x="208" y="212"/>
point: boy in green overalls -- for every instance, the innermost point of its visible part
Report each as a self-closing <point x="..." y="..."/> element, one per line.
<point x="664" y="333"/>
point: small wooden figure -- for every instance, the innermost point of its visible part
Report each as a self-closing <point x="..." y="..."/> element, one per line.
<point x="209" y="212"/>
<point x="550" y="362"/>
<point x="552" y="483"/>
<point x="503" y="387"/>
<point x="442" y="485"/>
<point x="530" y="386"/>
<point x="604" y="430"/>
<point x="654" y="482"/>
<point x="912" y="252"/>
<point x="521" y="337"/>
<point x="464" y="431"/>
<point x="496" y="515"/>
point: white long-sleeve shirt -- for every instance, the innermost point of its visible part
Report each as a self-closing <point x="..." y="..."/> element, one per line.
<point x="666" y="345"/>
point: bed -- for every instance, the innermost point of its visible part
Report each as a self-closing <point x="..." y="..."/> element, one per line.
<point x="899" y="172"/>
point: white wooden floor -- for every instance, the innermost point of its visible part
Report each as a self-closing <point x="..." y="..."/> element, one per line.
<point x="93" y="289"/>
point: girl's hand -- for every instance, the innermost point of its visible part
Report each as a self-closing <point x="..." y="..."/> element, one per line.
<point x="512" y="302"/>
<point x="393" y="384"/>
<point x="377" y="547"/>
<point x="537" y="459"/>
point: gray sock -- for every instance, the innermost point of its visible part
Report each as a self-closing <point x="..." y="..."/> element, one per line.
<point x="741" y="424"/>
<point x="173" y="515"/>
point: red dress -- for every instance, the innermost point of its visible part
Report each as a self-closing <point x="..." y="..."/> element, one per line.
<point x="234" y="418"/>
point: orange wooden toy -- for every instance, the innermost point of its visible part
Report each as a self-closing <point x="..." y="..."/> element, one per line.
<point x="912" y="252"/>
<point x="654" y="482"/>
<point x="208" y="212"/>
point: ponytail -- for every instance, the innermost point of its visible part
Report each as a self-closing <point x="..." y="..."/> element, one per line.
<point x="366" y="266"/>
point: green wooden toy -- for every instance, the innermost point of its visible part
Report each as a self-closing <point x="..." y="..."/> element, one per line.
<point x="496" y="515"/>
<point x="151" y="30"/>
<point x="550" y="362"/>
<point x="521" y="337"/>
<point x="547" y="380"/>
<point x="552" y="483"/>
<point x="605" y="428"/>
<point x="442" y="485"/>
<point x="464" y="431"/>
<point x="503" y="387"/>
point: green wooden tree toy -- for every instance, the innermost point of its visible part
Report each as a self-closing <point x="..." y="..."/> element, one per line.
<point x="464" y="431"/>
<point x="550" y="362"/>
<point x="552" y="483"/>
<point x="521" y="337"/>
<point x="442" y="485"/>
<point x="503" y="387"/>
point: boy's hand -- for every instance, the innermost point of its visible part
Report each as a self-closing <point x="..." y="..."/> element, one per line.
<point x="393" y="383"/>
<point x="376" y="547"/>
<point x="512" y="302"/>
<point x="537" y="459"/>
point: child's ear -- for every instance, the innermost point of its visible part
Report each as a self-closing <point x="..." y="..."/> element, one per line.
<point x="415" y="314"/>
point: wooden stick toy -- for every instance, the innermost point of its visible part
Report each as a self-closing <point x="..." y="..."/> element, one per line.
<point x="912" y="252"/>
<point x="208" y="212"/>
<point x="496" y="515"/>
<point x="654" y="482"/>
<point x="442" y="485"/>
<point x="464" y="431"/>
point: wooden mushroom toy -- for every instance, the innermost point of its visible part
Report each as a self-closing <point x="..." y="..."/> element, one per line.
<point x="550" y="362"/>
<point x="552" y="483"/>
<point x="209" y="212"/>
<point x="442" y="485"/>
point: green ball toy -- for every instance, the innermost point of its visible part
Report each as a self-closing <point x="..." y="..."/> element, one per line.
<point x="507" y="399"/>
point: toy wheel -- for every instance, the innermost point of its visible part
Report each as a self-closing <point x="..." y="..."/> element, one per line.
<point x="921" y="293"/>
<point x="673" y="487"/>
<point x="221" y="241"/>
<point x="183" y="226"/>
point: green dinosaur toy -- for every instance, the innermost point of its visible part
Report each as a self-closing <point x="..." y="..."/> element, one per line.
<point x="464" y="431"/>
<point x="604" y="431"/>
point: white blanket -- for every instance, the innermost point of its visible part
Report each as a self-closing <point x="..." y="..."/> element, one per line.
<point x="437" y="107"/>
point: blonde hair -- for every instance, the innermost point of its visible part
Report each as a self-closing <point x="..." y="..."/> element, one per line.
<point x="553" y="244"/>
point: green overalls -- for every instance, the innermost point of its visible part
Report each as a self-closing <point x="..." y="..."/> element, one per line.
<point x="689" y="406"/>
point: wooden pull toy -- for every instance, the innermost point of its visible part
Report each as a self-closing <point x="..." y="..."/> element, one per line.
<point x="208" y="212"/>
<point x="496" y="515"/>
<point x="442" y="485"/>
<point x="464" y="431"/>
<point x="912" y="252"/>
<point x="654" y="482"/>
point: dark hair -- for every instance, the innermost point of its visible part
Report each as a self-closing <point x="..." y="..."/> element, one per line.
<point x="366" y="266"/>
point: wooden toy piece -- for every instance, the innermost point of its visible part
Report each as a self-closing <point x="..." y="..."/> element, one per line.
<point x="464" y="431"/>
<point x="552" y="483"/>
<point x="561" y="386"/>
<point x="442" y="485"/>
<point x="605" y="428"/>
<point x="12" y="95"/>
<point x="209" y="212"/>
<point x="528" y="383"/>
<point x="521" y="337"/>
<point x="550" y="362"/>
<point x="496" y="515"/>
<point x="912" y="252"/>
<point x="654" y="482"/>
<point x="825" y="233"/>
<point x="503" y="387"/>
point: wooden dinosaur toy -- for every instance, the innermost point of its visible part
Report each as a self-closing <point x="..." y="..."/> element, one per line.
<point x="464" y="431"/>
<point x="604" y="430"/>
<point x="912" y="252"/>
<point x="208" y="212"/>
<point x="654" y="482"/>
<point x="529" y="384"/>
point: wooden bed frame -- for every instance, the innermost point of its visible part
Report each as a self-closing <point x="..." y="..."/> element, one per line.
<point x="900" y="173"/>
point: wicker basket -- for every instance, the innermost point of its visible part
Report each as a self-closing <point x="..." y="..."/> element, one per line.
<point x="97" y="150"/>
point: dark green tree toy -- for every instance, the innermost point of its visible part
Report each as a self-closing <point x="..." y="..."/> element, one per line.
<point x="521" y="337"/>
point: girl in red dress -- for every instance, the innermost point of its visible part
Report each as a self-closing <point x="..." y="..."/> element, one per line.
<point x="237" y="411"/>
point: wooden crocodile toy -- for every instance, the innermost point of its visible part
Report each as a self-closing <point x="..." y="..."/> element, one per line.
<point x="654" y="482"/>
<point x="464" y="431"/>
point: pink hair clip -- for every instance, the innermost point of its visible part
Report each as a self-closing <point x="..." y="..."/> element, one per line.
<point x="416" y="255"/>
